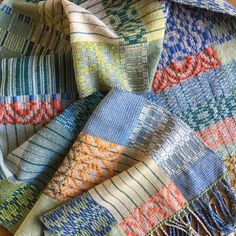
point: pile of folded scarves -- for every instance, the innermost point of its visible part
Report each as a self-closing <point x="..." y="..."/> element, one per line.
<point x="118" y="117"/>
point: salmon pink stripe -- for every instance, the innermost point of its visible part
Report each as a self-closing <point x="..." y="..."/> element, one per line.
<point x="178" y="72"/>
<point x="30" y="112"/>
<point x="220" y="134"/>
<point x="158" y="207"/>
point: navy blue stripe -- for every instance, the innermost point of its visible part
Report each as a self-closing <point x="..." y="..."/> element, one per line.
<point x="69" y="140"/>
<point x="45" y="147"/>
<point x="37" y="164"/>
<point x="31" y="179"/>
<point x="86" y="23"/>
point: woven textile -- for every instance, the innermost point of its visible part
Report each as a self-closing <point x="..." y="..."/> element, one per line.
<point x="34" y="162"/>
<point x="151" y="165"/>
<point x="196" y="81"/>
<point x="124" y="38"/>
<point x="156" y="156"/>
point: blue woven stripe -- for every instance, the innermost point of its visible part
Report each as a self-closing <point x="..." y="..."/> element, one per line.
<point x="221" y="6"/>
<point x="49" y="74"/>
<point x="190" y="30"/>
<point x="80" y="216"/>
<point x="203" y="100"/>
<point x="200" y="175"/>
<point x="115" y="117"/>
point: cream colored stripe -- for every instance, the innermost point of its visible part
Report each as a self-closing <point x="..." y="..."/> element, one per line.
<point x="156" y="35"/>
<point x="111" y="198"/>
<point x="132" y="187"/>
<point x="149" y="175"/>
<point x="87" y="32"/>
<point x="75" y="15"/>
<point x="157" y="171"/>
<point x="135" y="184"/>
<point x="155" y="25"/>
<point x="225" y="51"/>
<point x="97" y="9"/>
<point x="147" y="3"/>
<point x="142" y="180"/>
<point x="88" y="4"/>
<point x="89" y="28"/>
<point x="121" y="196"/>
<point x="91" y="38"/>
<point x="151" y="14"/>
<point x="127" y="190"/>
<point x="108" y="206"/>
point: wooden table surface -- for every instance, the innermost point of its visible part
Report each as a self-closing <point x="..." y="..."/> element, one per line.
<point x="4" y="232"/>
<point x="232" y="2"/>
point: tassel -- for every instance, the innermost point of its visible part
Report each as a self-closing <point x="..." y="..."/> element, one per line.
<point x="219" y="216"/>
<point x="211" y="213"/>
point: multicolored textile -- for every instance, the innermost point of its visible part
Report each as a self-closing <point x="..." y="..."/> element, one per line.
<point x="35" y="161"/>
<point x="196" y="81"/>
<point x="113" y="45"/>
<point x="149" y="158"/>
<point x="155" y="175"/>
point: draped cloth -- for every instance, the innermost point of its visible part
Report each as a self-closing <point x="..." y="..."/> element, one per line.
<point x="156" y="155"/>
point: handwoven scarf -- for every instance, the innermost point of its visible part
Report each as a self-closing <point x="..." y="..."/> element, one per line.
<point x="142" y="165"/>
<point x="155" y="175"/>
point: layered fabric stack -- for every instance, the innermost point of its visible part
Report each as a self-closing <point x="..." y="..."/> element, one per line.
<point x="117" y="117"/>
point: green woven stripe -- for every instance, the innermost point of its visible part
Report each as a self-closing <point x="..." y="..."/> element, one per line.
<point x="17" y="205"/>
<point x="25" y="36"/>
<point x="50" y="74"/>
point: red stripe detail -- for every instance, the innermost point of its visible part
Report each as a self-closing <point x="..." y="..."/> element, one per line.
<point x="156" y="208"/>
<point x="191" y="66"/>
<point x="31" y="112"/>
<point x="219" y="135"/>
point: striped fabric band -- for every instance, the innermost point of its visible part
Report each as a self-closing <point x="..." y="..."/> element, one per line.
<point x="161" y="168"/>
<point x="128" y="54"/>
<point x="29" y="167"/>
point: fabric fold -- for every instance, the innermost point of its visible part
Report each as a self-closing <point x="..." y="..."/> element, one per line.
<point x="161" y="177"/>
<point x="34" y="162"/>
<point x="124" y="39"/>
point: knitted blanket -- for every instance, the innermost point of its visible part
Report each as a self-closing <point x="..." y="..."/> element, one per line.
<point x="149" y="159"/>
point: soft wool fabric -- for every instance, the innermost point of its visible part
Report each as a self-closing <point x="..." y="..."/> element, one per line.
<point x="50" y="49"/>
<point x="196" y="81"/>
<point x="125" y="39"/>
<point x="155" y="175"/>
<point x="34" y="162"/>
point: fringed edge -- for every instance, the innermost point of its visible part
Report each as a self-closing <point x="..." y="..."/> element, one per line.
<point x="212" y="213"/>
